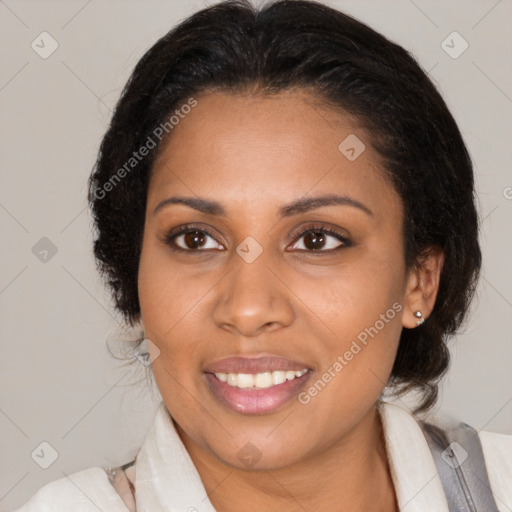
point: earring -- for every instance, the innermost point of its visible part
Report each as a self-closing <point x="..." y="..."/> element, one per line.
<point x="419" y="316"/>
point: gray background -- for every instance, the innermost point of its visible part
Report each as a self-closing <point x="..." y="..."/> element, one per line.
<point x="58" y="382"/>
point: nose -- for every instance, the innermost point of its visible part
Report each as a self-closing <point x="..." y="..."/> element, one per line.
<point x="252" y="299"/>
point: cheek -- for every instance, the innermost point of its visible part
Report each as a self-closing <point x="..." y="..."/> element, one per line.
<point x="170" y="313"/>
<point x="167" y="294"/>
<point x="361" y="305"/>
<point x="173" y="299"/>
<point x="353" y="296"/>
<point x="164" y="300"/>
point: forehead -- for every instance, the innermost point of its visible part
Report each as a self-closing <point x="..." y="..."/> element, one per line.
<point x="268" y="149"/>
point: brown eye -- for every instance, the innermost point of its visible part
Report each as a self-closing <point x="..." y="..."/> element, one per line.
<point x="314" y="240"/>
<point x="192" y="240"/>
<point x="321" y="240"/>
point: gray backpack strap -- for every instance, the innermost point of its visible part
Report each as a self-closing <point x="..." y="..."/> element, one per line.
<point x="459" y="458"/>
<point x="122" y="484"/>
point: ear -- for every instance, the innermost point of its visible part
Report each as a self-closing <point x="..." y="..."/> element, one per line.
<point x="422" y="287"/>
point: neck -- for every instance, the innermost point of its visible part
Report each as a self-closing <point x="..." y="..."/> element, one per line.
<point x="353" y="475"/>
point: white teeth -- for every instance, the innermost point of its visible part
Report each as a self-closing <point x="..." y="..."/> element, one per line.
<point x="263" y="380"/>
<point x="278" y="377"/>
<point x="259" y="380"/>
<point x="243" y="380"/>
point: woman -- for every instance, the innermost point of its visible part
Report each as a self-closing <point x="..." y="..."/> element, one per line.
<point x="285" y="204"/>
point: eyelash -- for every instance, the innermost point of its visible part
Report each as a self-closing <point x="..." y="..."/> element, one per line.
<point x="319" y="228"/>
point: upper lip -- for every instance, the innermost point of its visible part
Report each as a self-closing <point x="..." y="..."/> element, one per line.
<point x="254" y="365"/>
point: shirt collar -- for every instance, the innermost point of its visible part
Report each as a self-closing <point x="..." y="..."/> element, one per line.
<point x="415" y="477"/>
<point x="165" y="476"/>
<point x="167" y="480"/>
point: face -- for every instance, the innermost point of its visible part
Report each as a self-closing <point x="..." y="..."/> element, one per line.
<point x="272" y="277"/>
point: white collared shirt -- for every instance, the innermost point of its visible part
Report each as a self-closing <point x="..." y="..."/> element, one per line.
<point x="166" y="479"/>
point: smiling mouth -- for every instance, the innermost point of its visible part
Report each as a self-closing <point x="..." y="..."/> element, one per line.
<point x="257" y="393"/>
<point x="263" y="380"/>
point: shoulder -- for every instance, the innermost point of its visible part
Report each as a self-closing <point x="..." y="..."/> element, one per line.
<point x="85" y="491"/>
<point x="497" y="450"/>
<point x="405" y="435"/>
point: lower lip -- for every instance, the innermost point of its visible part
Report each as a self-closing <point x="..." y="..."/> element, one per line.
<point x="255" y="401"/>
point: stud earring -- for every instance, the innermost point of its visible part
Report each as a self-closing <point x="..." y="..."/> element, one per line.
<point x="419" y="316"/>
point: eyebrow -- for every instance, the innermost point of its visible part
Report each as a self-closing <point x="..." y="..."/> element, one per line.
<point x="211" y="207"/>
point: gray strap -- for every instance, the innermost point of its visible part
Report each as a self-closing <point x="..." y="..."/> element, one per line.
<point x="122" y="485"/>
<point x="459" y="458"/>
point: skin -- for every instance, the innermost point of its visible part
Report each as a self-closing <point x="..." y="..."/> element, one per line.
<point x="253" y="155"/>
